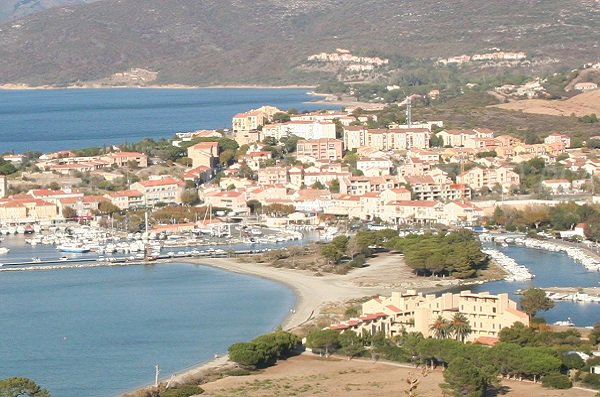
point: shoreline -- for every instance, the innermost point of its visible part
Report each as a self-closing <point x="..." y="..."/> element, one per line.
<point x="312" y="293"/>
<point x="27" y="87"/>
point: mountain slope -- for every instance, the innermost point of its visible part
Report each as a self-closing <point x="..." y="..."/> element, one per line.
<point x="262" y="41"/>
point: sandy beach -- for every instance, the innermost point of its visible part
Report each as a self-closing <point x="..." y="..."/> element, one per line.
<point x="384" y="274"/>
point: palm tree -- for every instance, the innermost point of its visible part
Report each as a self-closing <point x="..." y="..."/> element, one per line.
<point x="460" y="327"/>
<point x="440" y="328"/>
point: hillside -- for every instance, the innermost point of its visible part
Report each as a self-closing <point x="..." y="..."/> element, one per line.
<point x="14" y="9"/>
<point x="579" y="105"/>
<point x="265" y="41"/>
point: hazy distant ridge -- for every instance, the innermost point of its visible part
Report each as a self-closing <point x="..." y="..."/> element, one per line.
<point x="263" y="41"/>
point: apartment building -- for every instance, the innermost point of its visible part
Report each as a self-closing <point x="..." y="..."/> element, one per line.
<point x="253" y="119"/>
<point x="160" y="190"/>
<point x="232" y="200"/>
<point x="26" y="208"/>
<point x="386" y="139"/>
<point x="410" y="311"/>
<point x="126" y="199"/>
<point x="320" y="149"/>
<point x="359" y="185"/>
<point x="272" y="176"/>
<point x="302" y="129"/>
<point x="412" y="211"/>
<point x="478" y="177"/>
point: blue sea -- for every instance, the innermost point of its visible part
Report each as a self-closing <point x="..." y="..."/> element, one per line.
<point x="49" y="120"/>
<point x="98" y="332"/>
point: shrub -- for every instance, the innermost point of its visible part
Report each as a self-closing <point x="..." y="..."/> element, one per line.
<point x="592" y="380"/>
<point x="182" y="391"/>
<point x="557" y="381"/>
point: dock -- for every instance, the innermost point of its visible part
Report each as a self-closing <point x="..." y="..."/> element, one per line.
<point x="56" y="264"/>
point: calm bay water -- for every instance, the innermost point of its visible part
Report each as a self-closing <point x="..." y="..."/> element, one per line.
<point x="48" y="120"/>
<point x="100" y="331"/>
<point x="551" y="269"/>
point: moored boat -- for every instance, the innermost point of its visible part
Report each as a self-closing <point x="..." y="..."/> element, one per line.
<point x="70" y="247"/>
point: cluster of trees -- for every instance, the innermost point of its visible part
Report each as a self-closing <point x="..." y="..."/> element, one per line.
<point x="470" y="368"/>
<point x="357" y="247"/>
<point x="563" y="216"/>
<point x="457" y="253"/>
<point x="18" y="387"/>
<point x="264" y="350"/>
<point x="534" y="171"/>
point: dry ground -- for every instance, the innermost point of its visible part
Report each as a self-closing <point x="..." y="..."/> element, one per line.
<point x="309" y="375"/>
<point x="580" y="105"/>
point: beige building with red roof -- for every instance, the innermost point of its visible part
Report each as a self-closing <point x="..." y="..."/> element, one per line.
<point x="26" y="208"/>
<point x="320" y="149"/>
<point x="232" y="200"/>
<point x="410" y="311"/>
<point x="160" y="190"/>
<point x="204" y="154"/>
<point x="122" y="159"/>
<point x="126" y="199"/>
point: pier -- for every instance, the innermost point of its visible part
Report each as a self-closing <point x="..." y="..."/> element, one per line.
<point x="57" y="264"/>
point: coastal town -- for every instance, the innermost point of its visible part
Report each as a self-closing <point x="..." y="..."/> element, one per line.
<point x="278" y="176"/>
<point x="320" y="165"/>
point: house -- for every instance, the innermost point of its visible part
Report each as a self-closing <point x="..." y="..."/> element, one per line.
<point x="121" y="159"/>
<point x="462" y="213"/>
<point x="410" y="311"/>
<point x="204" y="154"/>
<point x="248" y="137"/>
<point x="13" y="158"/>
<point x="374" y="166"/>
<point x="557" y="186"/>
<point x="585" y="86"/>
<point x="198" y="175"/>
<point x="320" y="149"/>
<point x="558" y="138"/>
<point x="254" y="159"/>
<point x="160" y="190"/>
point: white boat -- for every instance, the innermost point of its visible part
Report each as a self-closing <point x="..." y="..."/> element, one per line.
<point x="63" y="258"/>
<point x="71" y="247"/>
<point x="36" y="259"/>
<point x="4" y="250"/>
<point x="567" y="323"/>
